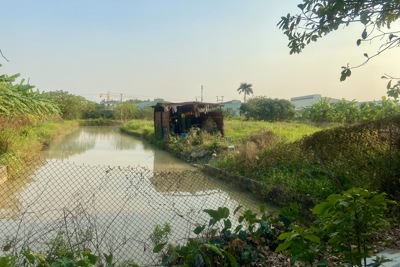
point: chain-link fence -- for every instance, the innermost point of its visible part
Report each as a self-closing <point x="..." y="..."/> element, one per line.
<point x="107" y="209"/>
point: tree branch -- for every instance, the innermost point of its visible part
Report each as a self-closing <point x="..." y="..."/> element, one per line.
<point x="3" y="56"/>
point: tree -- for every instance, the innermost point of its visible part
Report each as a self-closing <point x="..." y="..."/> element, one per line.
<point x="268" y="109"/>
<point x="246" y="89"/>
<point x="72" y="106"/>
<point x="320" y="17"/>
<point x="125" y="111"/>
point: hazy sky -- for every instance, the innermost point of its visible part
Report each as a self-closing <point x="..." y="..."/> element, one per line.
<point x="169" y="48"/>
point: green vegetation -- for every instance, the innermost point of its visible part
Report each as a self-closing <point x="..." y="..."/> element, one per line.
<point x="60" y="252"/>
<point x="309" y="169"/>
<point x="347" y="225"/>
<point x="20" y="101"/>
<point x="318" y="18"/>
<point x="349" y="112"/>
<point x="29" y="119"/>
<point x="143" y="128"/>
<point x="238" y="130"/>
<point x="21" y="144"/>
<point x="267" y="109"/>
<point x="344" y="231"/>
<point x="246" y="89"/>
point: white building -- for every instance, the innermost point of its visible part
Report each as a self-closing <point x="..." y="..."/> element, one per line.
<point x="308" y="100"/>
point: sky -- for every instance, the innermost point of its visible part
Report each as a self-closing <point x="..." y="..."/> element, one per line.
<point x="170" y="49"/>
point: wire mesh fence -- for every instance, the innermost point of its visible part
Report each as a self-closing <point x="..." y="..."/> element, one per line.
<point x="110" y="210"/>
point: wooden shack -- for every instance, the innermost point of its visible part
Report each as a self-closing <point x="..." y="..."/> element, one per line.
<point x="179" y="118"/>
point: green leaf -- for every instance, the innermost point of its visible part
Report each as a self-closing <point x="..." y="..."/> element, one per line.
<point x="283" y="246"/>
<point x="199" y="229"/>
<point x="29" y="256"/>
<point x="213" y="248"/>
<point x="312" y="238"/>
<point x="223" y="212"/>
<point x="227" y="224"/>
<point x="159" y="247"/>
<point x="284" y="235"/>
<point x="231" y="259"/>
<point x="389" y="85"/>
<point x="237" y="209"/>
<point x="364" y="34"/>
<point x="92" y="258"/>
<point x="214" y="214"/>
<point x="263" y="208"/>
<point x="285" y="219"/>
<point x="238" y="228"/>
<point x="358" y="42"/>
<point x="298" y="230"/>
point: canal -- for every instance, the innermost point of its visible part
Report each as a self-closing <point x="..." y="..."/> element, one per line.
<point x="108" y="191"/>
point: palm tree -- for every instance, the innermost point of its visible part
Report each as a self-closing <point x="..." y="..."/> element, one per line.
<point x="246" y="89"/>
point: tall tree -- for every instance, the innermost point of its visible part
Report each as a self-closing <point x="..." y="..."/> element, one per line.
<point x="317" y="18"/>
<point x="246" y="89"/>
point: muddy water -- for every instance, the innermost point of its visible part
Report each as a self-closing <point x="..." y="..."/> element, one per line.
<point x="114" y="188"/>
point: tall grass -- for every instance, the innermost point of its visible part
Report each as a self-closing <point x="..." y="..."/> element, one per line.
<point x="239" y="130"/>
<point x="140" y="127"/>
<point x="19" y="144"/>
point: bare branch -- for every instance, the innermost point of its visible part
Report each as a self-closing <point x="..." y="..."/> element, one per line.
<point x="3" y="56"/>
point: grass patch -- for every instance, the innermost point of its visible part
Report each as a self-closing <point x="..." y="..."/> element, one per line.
<point x="238" y="130"/>
<point x="139" y="127"/>
<point x="20" y="144"/>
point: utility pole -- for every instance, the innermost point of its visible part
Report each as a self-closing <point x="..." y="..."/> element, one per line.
<point x="220" y="100"/>
<point x="202" y="93"/>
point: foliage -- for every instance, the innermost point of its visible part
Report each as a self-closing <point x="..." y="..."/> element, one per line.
<point x="20" y="100"/>
<point x="319" y="17"/>
<point x="160" y="236"/>
<point x="125" y="111"/>
<point x="139" y="127"/>
<point x="309" y="169"/>
<point x="267" y="109"/>
<point x="349" y="111"/>
<point x="20" y="144"/>
<point x="229" y="114"/>
<point x="98" y="111"/>
<point x="84" y="258"/>
<point x="225" y="243"/>
<point x="72" y="107"/>
<point x="246" y="89"/>
<point x="347" y="226"/>
<point x="351" y="221"/>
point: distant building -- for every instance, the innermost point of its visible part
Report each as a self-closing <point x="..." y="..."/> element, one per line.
<point x="308" y="100"/>
<point x="232" y="106"/>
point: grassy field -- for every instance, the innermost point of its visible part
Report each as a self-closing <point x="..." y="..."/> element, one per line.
<point x="238" y="130"/>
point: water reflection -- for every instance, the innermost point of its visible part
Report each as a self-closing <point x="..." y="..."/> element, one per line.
<point x="114" y="183"/>
<point x="108" y="146"/>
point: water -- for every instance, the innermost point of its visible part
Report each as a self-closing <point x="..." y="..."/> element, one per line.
<point x="101" y="185"/>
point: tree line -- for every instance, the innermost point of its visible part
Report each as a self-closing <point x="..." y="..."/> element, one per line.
<point x="21" y="103"/>
<point x="342" y="111"/>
